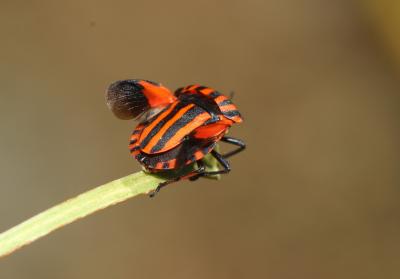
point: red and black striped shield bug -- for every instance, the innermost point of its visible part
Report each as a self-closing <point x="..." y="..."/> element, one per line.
<point x="175" y="130"/>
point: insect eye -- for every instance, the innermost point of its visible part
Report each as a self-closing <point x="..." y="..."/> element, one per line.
<point x="126" y="99"/>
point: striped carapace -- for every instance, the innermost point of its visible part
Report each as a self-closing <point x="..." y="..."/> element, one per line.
<point x="178" y="129"/>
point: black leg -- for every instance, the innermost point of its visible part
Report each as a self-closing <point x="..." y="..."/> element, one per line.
<point x="190" y="175"/>
<point x="224" y="163"/>
<point x="202" y="168"/>
<point x="161" y="185"/>
<point x="236" y="142"/>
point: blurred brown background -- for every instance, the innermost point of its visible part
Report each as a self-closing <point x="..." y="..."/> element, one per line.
<point x="316" y="195"/>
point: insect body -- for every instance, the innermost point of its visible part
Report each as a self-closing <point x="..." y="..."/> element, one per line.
<point x="178" y="129"/>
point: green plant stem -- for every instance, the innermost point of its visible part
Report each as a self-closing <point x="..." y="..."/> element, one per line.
<point x="87" y="203"/>
<point x="71" y="210"/>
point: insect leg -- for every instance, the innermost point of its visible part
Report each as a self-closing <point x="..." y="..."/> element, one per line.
<point x="163" y="184"/>
<point x="202" y="168"/>
<point x="236" y="142"/>
<point x="223" y="162"/>
<point x="189" y="176"/>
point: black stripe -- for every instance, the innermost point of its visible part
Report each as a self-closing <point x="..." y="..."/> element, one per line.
<point x="135" y="132"/>
<point x="153" y="82"/>
<point x="214" y="94"/>
<point x="140" y="157"/>
<point x="225" y="103"/>
<point x="135" y="148"/>
<point x="200" y="88"/>
<point x="160" y="124"/>
<point x="155" y="118"/>
<point x="231" y="113"/>
<point x="151" y="160"/>
<point x="165" y="165"/>
<point x="179" y="124"/>
<point x="192" y="158"/>
<point x="133" y="141"/>
<point x="178" y="91"/>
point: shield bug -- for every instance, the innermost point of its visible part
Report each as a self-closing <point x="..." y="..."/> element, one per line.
<point x="175" y="130"/>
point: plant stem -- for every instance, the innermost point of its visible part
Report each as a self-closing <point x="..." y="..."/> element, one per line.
<point x="71" y="210"/>
<point x="87" y="203"/>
